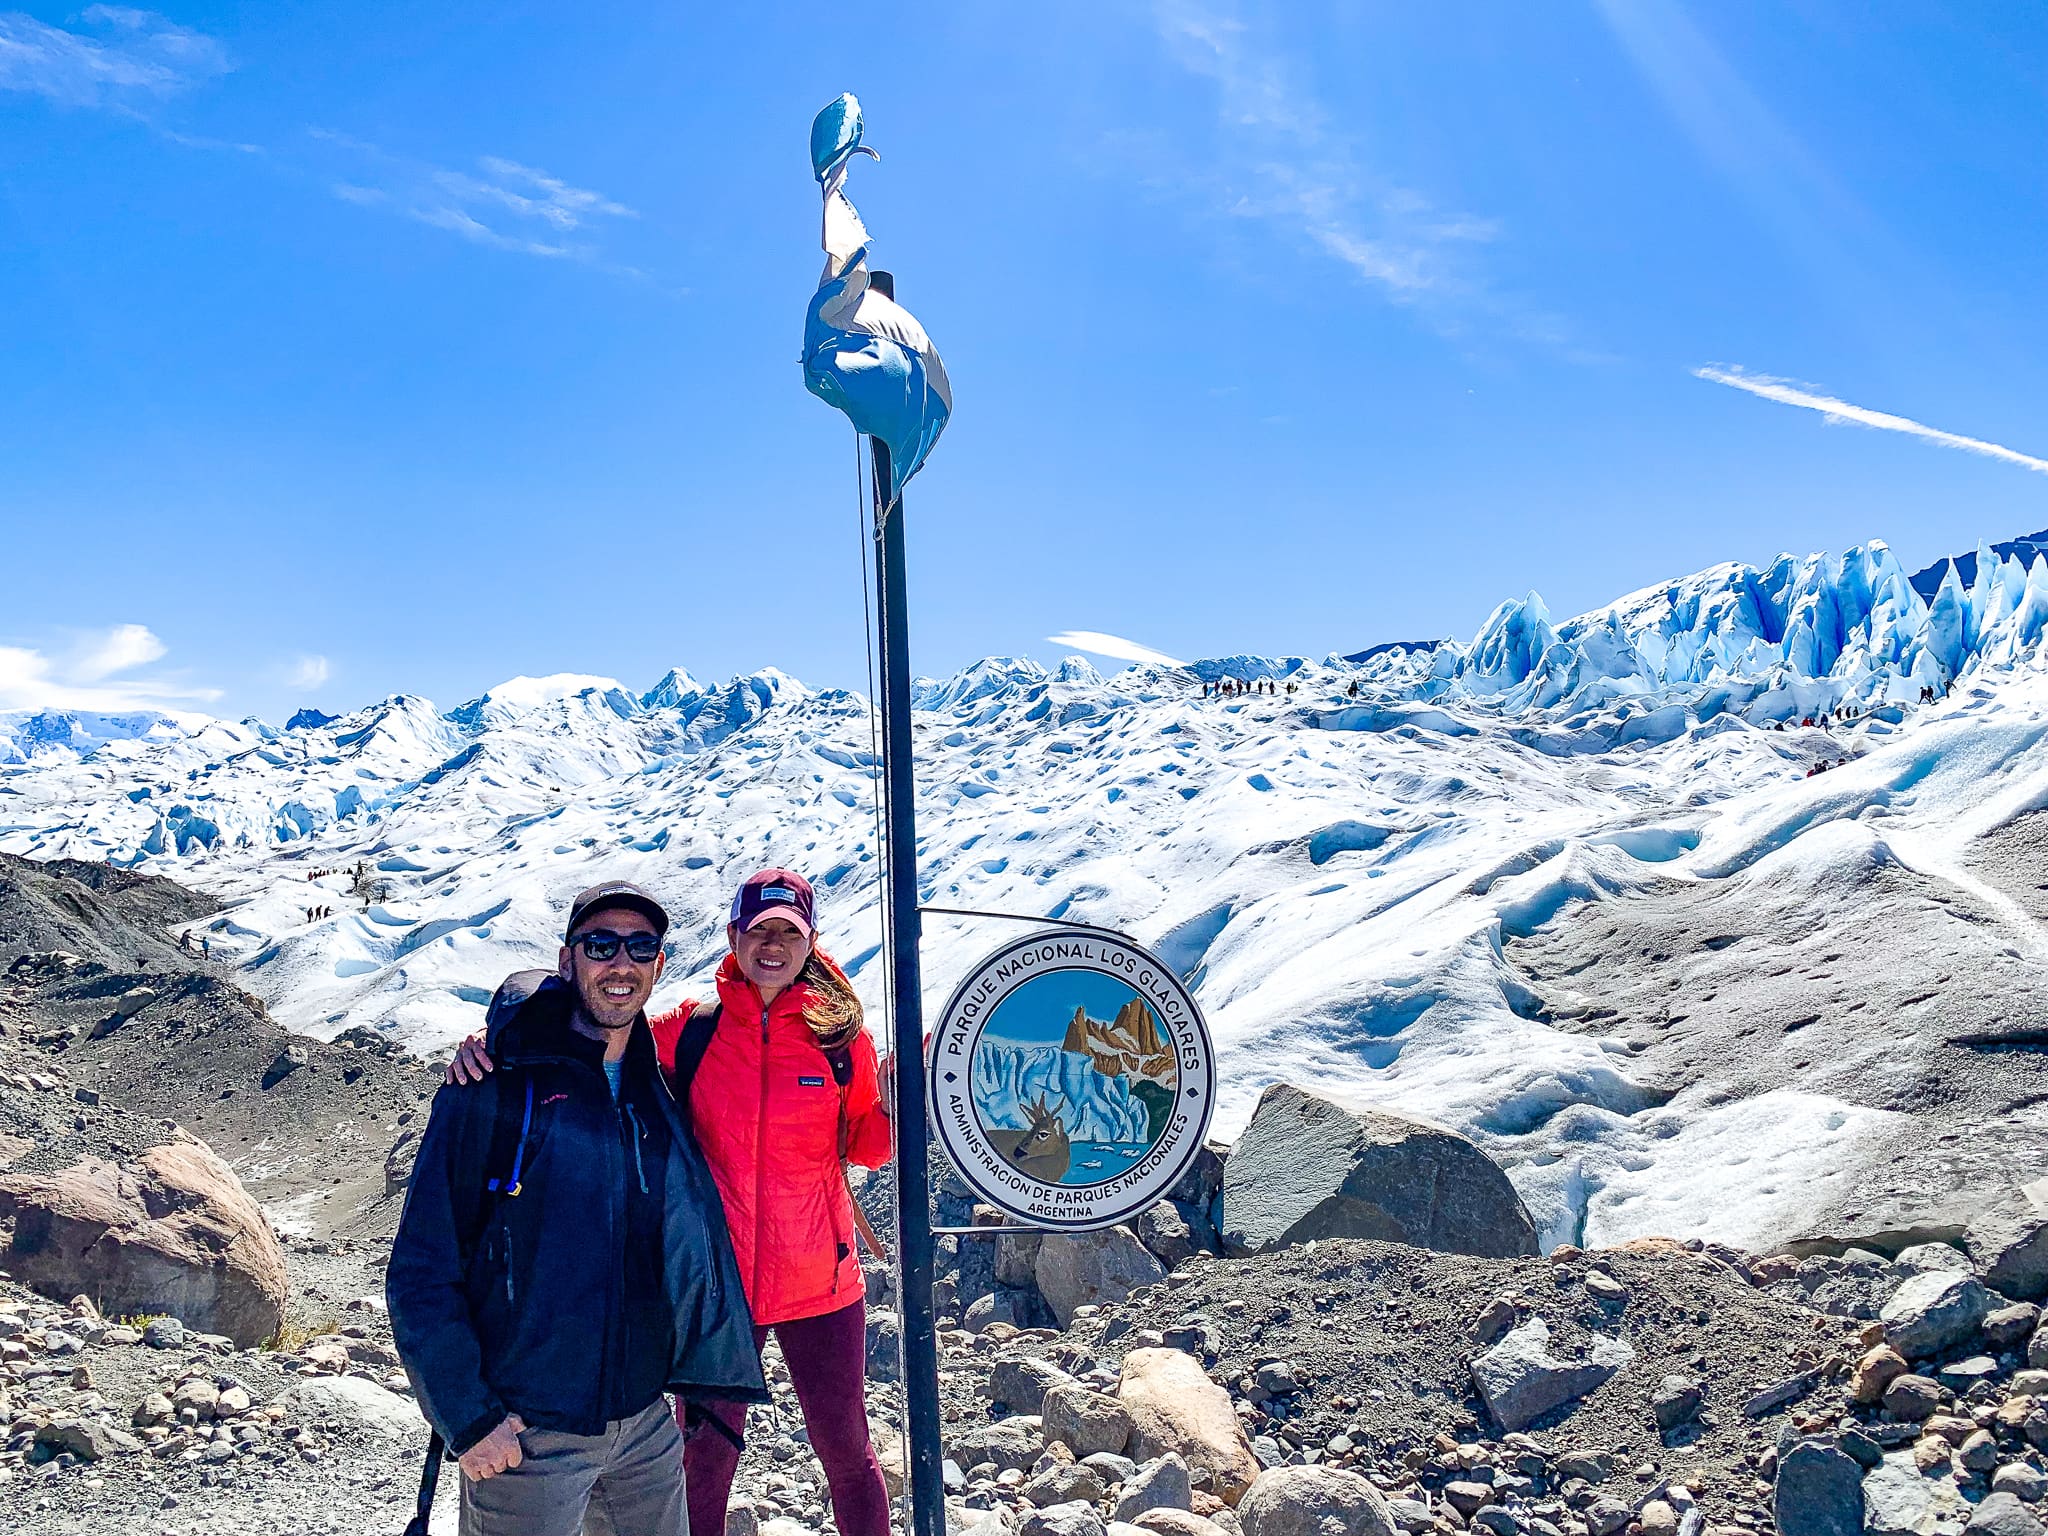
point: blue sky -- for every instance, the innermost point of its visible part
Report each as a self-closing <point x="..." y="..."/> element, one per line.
<point x="350" y="350"/>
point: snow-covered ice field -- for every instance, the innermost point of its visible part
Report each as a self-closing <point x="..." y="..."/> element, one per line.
<point x="1566" y="888"/>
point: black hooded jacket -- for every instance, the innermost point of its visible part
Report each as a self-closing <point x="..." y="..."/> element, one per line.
<point x="607" y="1279"/>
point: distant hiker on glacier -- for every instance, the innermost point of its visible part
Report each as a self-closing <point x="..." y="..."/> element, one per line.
<point x="562" y="1260"/>
<point x="782" y="1085"/>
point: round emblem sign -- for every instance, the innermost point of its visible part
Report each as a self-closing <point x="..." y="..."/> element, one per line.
<point x="1070" y="1079"/>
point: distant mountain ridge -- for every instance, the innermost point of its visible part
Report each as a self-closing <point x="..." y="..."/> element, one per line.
<point x="1928" y="582"/>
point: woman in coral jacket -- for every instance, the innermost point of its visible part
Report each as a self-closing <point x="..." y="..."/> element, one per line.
<point x="768" y="1112"/>
<point x="777" y="1127"/>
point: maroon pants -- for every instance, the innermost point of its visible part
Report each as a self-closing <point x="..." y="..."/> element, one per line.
<point x="827" y="1358"/>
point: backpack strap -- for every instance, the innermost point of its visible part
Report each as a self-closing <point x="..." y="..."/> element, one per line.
<point x="506" y="1160"/>
<point x="430" y="1479"/>
<point x="840" y="1059"/>
<point x="695" y="1040"/>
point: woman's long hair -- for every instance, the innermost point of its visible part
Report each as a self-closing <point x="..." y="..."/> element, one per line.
<point x="831" y="1006"/>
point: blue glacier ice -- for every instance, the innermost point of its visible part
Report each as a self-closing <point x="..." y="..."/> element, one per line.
<point x="1095" y="1106"/>
<point x="1804" y="633"/>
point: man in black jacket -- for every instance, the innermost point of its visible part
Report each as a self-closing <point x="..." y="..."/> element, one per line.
<point x="563" y="1260"/>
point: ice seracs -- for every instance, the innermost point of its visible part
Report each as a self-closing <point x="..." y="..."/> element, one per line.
<point x="1806" y="634"/>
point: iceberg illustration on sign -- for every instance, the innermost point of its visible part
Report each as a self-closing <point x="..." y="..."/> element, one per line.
<point x="1010" y="1079"/>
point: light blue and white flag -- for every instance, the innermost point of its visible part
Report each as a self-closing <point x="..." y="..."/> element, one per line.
<point x="864" y="353"/>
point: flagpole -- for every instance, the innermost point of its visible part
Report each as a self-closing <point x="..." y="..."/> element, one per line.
<point x="913" y="1175"/>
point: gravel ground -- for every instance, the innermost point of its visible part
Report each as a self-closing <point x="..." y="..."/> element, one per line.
<point x="1381" y="1337"/>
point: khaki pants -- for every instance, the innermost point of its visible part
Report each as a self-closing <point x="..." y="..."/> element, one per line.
<point x="627" y="1481"/>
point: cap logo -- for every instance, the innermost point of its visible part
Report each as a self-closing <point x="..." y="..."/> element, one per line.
<point x="777" y="893"/>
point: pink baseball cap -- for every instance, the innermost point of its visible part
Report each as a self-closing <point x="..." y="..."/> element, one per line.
<point x="775" y="893"/>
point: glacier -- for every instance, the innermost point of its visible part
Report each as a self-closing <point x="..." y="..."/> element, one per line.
<point x="1094" y="1106"/>
<point x="1388" y="884"/>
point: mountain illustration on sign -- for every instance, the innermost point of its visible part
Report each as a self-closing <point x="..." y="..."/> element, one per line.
<point x="1065" y="1095"/>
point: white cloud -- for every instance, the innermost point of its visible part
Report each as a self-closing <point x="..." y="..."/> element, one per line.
<point x="89" y="675"/>
<point x="1786" y="392"/>
<point x="310" y="672"/>
<point x="118" y="55"/>
<point x="120" y="649"/>
<point x="509" y="206"/>
<point x="472" y="228"/>
<point x="1097" y="643"/>
<point x="1279" y="158"/>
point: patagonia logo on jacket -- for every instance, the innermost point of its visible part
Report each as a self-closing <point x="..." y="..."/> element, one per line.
<point x="810" y="1082"/>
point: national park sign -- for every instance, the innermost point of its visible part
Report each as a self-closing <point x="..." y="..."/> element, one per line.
<point x="1071" y="1079"/>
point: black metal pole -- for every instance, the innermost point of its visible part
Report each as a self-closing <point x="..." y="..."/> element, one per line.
<point x="913" y="1182"/>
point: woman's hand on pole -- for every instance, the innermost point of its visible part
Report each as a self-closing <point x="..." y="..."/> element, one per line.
<point x="471" y="1061"/>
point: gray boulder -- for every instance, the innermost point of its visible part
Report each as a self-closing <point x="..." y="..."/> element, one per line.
<point x="1306" y="1168"/>
<point x="2003" y="1515"/>
<point x="1678" y="1401"/>
<point x="362" y="1403"/>
<point x="1912" y="1398"/>
<point x="1085" y="1421"/>
<point x="1002" y="1305"/>
<point x="1016" y="1256"/>
<point x="1819" y="1492"/>
<point x="885" y="1330"/>
<point x="1162" y="1483"/>
<point x="87" y="1439"/>
<point x="2025" y="1483"/>
<point x="1012" y="1442"/>
<point x="1522" y="1380"/>
<point x="1062" y="1483"/>
<point x="2009" y="1241"/>
<point x="1933" y="1312"/>
<point x="1314" y="1501"/>
<point x="1898" y="1501"/>
<point x="1174" y="1232"/>
<point x="1926" y="1258"/>
<point x="1075" y="1519"/>
<point x="2008" y="1327"/>
<point x="1020" y="1382"/>
<point x="1092" y="1268"/>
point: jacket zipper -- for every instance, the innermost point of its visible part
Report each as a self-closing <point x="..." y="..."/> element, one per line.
<point x="713" y="1280"/>
<point x="843" y="1245"/>
<point x="760" y="1156"/>
<point x="615" y="1301"/>
<point x="639" y="1135"/>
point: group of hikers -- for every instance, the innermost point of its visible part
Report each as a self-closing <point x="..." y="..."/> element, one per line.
<point x="1232" y="688"/>
<point x="314" y="914"/>
<point x="608" y="1209"/>
<point x="204" y="947"/>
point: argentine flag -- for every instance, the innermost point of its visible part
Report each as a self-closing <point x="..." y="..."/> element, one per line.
<point x="864" y="353"/>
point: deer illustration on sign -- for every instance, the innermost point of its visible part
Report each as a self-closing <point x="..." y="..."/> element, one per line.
<point x="1041" y="1149"/>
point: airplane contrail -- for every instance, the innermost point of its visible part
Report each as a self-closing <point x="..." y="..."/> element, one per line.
<point x="1787" y="393"/>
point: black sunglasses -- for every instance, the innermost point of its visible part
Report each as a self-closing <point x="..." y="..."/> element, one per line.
<point x="600" y="944"/>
